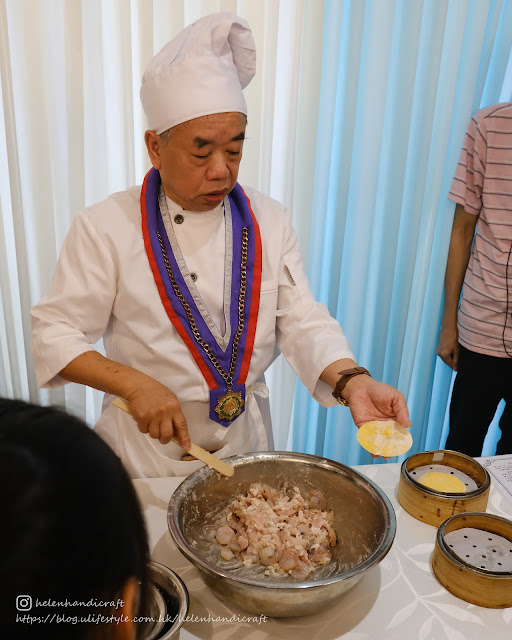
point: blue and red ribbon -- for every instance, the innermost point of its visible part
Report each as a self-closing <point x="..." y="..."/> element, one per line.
<point x="242" y="217"/>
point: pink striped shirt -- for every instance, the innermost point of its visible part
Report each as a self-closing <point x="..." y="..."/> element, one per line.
<point x="483" y="186"/>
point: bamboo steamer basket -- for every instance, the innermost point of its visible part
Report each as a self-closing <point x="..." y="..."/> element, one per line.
<point x="472" y="559"/>
<point x="432" y="506"/>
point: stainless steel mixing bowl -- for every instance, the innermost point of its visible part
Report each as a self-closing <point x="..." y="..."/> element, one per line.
<point x="167" y="608"/>
<point x="364" y="522"/>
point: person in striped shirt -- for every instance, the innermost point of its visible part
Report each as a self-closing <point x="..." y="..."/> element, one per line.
<point x="476" y="341"/>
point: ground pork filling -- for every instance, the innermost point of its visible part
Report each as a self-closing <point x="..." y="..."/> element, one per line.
<point x="278" y="529"/>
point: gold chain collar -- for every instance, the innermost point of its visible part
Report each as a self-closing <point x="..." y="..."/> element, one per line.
<point x="227" y="377"/>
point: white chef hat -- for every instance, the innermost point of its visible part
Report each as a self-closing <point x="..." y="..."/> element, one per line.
<point x="201" y="71"/>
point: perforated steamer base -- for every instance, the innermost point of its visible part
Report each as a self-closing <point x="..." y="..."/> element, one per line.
<point x="472" y="558"/>
<point x="481" y="549"/>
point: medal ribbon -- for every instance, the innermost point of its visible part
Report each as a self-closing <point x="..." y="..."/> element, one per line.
<point x="157" y="244"/>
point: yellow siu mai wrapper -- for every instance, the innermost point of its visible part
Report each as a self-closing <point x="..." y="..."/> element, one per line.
<point x="440" y="481"/>
<point x="384" y="438"/>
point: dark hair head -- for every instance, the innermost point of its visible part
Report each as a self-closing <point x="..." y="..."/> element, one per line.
<point x="72" y="529"/>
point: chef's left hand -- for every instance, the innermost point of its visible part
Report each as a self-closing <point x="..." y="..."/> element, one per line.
<point x="372" y="400"/>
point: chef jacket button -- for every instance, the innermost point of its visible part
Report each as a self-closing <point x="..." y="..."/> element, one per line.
<point x="178" y="219"/>
<point x="193" y="276"/>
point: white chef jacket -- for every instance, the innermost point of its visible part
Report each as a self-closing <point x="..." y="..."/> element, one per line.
<point x="104" y="287"/>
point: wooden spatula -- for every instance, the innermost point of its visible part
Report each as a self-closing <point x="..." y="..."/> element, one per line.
<point x="196" y="451"/>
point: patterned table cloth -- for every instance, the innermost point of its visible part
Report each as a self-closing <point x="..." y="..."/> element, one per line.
<point x="400" y="598"/>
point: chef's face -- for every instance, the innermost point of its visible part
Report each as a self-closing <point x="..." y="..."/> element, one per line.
<point x="199" y="160"/>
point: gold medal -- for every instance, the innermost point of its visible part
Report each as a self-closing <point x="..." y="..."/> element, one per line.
<point x="230" y="405"/>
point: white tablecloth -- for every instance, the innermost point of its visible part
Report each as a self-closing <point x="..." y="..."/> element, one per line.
<point x="400" y="598"/>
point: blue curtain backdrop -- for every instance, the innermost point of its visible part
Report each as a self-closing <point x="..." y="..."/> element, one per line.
<point x="400" y="81"/>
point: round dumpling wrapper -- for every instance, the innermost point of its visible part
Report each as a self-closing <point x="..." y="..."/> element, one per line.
<point x="384" y="438"/>
<point x="444" y="482"/>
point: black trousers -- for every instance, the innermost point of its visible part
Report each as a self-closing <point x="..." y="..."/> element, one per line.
<point x="481" y="383"/>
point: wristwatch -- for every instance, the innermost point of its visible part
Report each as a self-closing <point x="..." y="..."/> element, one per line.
<point x="345" y="376"/>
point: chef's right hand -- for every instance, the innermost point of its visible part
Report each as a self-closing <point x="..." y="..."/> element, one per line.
<point x="157" y="412"/>
<point x="448" y="346"/>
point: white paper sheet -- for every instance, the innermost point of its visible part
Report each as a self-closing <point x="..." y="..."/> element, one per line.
<point x="500" y="470"/>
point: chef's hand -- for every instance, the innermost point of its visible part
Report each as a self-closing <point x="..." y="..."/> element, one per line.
<point x="448" y="346"/>
<point x="157" y="412"/>
<point x="372" y="400"/>
<point x="154" y="407"/>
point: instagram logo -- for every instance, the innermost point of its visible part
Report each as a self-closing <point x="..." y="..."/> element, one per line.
<point x="24" y="603"/>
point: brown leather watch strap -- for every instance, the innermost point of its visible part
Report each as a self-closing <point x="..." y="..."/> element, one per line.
<point x="345" y="376"/>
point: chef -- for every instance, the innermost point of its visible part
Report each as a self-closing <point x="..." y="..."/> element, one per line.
<point x="193" y="282"/>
